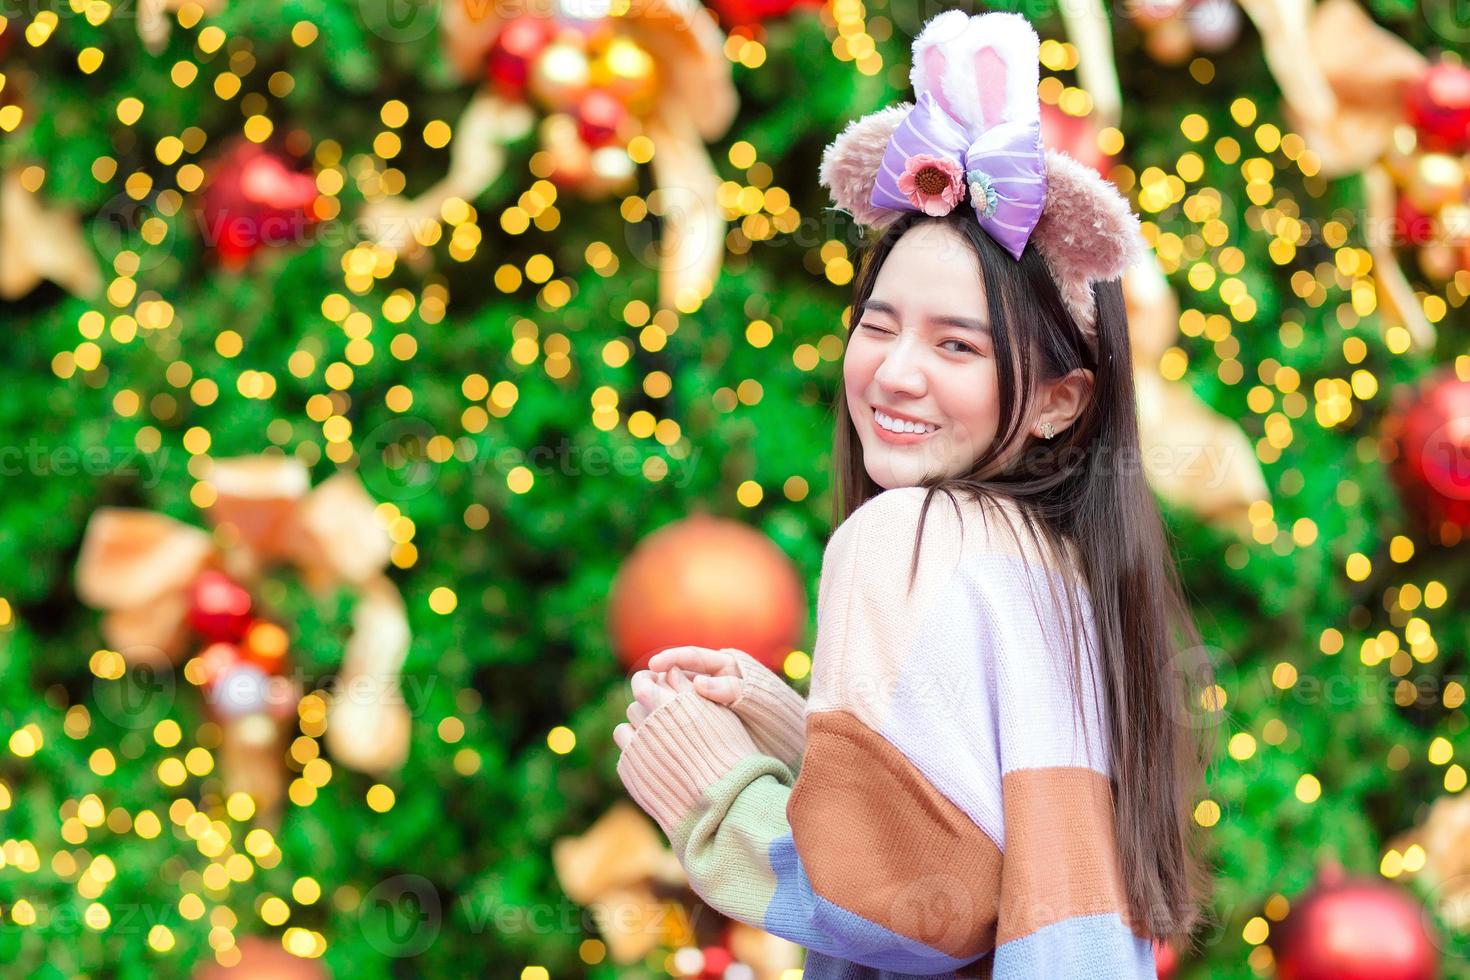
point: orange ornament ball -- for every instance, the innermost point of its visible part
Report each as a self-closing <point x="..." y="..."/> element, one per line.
<point x="711" y="582"/>
<point x="262" y="959"/>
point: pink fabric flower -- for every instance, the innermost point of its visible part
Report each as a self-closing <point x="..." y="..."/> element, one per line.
<point x="933" y="184"/>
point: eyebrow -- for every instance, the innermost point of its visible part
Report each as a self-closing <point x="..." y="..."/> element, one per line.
<point x="962" y="322"/>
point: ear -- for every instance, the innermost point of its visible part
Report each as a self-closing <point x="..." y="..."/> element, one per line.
<point x="1087" y="232"/>
<point x="983" y="69"/>
<point x="850" y="164"/>
<point x="1065" y="398"/>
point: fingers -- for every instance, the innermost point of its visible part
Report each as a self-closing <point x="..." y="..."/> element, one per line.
<point x="679" y="680"/>
<point x="721" y="690"/>
<point x="637" y="712"/>
<point x="650" y="689"/>
<point x="697" y="660"/>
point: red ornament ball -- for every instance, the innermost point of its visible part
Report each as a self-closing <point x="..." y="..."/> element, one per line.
<point x="1354" y="929"/>
<point x="711" y="582"/>
<point x="717" y="960"/>
<point x="1411" y="226"/>
<point x="515" y="50"/>
<point x="265" y="645"/>
<point x="735" y="14"/>
<point x="1430" y="432"/>
<point x="600" y="117"/>
<point x="1439" y="107"/>
<point x="1074" y="135"/>
<point x="219" y="608"/>
<point x="1166" y="961"/>
<point x="255" y="197"/>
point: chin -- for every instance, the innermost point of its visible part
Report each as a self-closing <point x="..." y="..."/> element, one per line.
<point x="890" y="470"/>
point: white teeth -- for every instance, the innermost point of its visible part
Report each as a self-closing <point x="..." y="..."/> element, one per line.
<point x="896" y="425"/>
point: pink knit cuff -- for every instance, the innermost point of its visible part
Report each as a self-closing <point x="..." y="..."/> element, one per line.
<point x="679" y="750"/>
<point x="771" y="710"/>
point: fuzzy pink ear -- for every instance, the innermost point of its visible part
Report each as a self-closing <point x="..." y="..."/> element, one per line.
<point x="1087" y="232"/>
<point x="850" y="164"/>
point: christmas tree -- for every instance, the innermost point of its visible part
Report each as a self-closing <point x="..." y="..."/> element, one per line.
<point x="353" y="347"/>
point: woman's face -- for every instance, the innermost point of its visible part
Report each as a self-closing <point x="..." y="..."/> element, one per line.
<point x="920" y="358"/>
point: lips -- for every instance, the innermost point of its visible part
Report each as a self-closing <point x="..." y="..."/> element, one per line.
<point x="901" y="438"/>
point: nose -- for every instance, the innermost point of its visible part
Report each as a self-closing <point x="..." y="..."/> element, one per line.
<point x="902" y="370"/>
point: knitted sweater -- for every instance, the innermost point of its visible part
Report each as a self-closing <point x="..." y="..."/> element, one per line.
<point x="945" y="813"/>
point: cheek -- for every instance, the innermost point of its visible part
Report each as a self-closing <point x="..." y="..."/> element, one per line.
<point x="970" y="398"/>
<point x="859" y="363"/>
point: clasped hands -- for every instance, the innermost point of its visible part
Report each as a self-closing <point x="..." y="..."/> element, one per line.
<point x="712" y="674"/>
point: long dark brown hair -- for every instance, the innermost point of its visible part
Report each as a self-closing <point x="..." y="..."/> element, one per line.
<point x="1086" y="489"/>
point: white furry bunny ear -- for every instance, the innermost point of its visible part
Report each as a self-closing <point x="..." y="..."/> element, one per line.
<point x="982" y="69"/>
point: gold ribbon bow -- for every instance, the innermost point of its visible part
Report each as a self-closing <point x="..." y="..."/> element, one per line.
<point x="138" y="566"/>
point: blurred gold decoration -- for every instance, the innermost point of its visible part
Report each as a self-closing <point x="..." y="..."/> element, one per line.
<point x="1435" y="180"/>
<point x="476" y="159"/>
<point x="628" y="71"/>
<point x="1091" y="33"/>
<point x="368" y="724"/>
<point x="38" y="244"/>
<point x="155" y="22"/>
<point x="767" y="954"/>
<point x="561" y="75"/>
<point x="141" y="568"/>
<point x="1194" y="456"/>
<point x="1345" y="81"/>
<point x="613" y="869"/>
<point x="1343" y="77"/>
<point x="637" y="891"/>
<point x="1444" y="837"/>
<point x="665" y="67"/>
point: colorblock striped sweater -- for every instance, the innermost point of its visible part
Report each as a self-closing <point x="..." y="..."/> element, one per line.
<point x="937" y="806"/>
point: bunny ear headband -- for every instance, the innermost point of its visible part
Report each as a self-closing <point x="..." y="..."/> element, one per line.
<point x="975" y="130"/>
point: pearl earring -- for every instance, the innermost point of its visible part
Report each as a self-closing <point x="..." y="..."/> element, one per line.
<point x="1047" y="431"/>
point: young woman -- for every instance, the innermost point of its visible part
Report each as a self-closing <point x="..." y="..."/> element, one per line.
<point x="995" y="770"/>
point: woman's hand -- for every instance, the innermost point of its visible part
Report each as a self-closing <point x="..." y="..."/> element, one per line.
<point x="715" y="673"/>
<point x="651" y="689"/>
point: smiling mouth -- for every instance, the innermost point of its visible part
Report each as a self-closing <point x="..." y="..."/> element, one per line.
<point x="904" y="430"/>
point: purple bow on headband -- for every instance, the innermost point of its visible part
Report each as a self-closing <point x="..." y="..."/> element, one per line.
<point x="931" y="160"/>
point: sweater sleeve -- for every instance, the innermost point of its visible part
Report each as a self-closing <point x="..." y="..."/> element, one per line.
<point x="887" y="849"/>
<point x="773" y="713"/>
